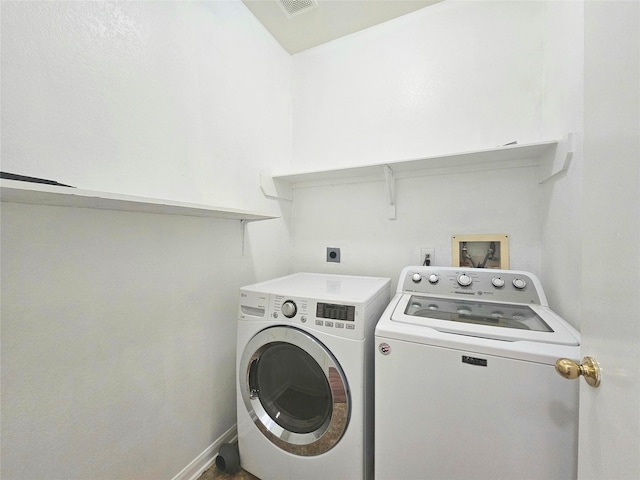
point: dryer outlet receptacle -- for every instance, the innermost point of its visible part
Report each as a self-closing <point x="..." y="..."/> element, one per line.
<point x="333" y="254"/>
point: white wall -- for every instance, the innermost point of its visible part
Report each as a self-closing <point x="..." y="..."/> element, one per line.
<point x="117" y="351"/>
<point x="354" y="218"/>
<point x="453" y="77"/>
<point x="562" y="204"/>
<point x="118" y="328"/>
<point x="178" y="100"/>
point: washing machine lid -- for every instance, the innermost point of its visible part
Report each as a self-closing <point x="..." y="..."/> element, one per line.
<point x="498" y="321"/>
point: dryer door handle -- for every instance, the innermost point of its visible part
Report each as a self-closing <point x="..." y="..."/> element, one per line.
<point x="254" y="391"/>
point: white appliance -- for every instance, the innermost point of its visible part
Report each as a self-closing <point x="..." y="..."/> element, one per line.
<point x="466" y="386"/>
<point x="305" y="375"/>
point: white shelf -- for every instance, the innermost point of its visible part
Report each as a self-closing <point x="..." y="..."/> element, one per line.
<point x="42" y="194"/>
<point x="510" y="156"/>
<point x="279" y="185"/>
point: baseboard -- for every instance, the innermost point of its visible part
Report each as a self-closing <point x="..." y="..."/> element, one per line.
<point x="203" y="461"/>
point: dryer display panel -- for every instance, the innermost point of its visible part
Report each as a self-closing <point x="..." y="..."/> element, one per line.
<point x="346" y="313"/>
<point x="490" y="314"/>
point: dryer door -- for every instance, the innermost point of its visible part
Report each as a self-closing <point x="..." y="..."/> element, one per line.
<point x="294" y="390"/>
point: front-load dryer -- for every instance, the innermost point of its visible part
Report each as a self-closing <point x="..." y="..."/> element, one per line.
<point x="466" y="386"/>
<point x="304" y="369"/>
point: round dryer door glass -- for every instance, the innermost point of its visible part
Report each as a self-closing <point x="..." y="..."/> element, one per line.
<point x="295" y="390"/>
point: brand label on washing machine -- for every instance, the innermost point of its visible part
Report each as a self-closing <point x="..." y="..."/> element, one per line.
<point x="480" y="362"/>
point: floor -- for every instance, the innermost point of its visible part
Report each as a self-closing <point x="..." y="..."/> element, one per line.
<point x="214" y="474"/>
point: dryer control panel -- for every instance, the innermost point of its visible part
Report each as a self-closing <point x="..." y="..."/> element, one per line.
<point x="342" y="319"/>
<point x="344" y="306"/>
<point x="481" y="284"/>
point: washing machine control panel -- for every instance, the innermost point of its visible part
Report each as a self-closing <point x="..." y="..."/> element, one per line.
<point x="489" y="284"/>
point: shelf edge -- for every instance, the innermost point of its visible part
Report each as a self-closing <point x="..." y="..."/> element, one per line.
<point x="510" y="154"/>
<point x="39" y="194"/>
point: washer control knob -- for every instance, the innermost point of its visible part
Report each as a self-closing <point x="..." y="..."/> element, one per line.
<point x="464" y="280"/>
<point x="519" y="283"/>
<point x="434" y="278"/>
<point x="416" y="278"/>
<point x="497" y="282"/>
<point x="289" y="309"/>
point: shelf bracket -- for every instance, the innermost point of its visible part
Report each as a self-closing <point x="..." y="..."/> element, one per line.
<point x="391" y="191"/>
<point x="243" y="233"/>
<point x="562" y="159"/>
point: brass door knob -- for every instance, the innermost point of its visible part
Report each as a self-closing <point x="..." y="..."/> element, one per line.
<point x="589" y="369"/>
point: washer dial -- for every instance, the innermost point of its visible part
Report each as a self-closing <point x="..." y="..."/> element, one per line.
<point x="464" y="280"/>
<point x="519" y="283"/>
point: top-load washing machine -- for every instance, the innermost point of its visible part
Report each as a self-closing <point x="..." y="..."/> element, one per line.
<point x="466" y="386"/>
<point x="305" y="375"/>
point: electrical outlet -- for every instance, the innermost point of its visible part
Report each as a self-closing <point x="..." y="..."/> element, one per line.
<point x="333" y="254"/>
<point x="427" y="256"/>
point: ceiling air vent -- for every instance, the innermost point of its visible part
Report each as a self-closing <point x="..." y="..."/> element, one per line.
<point x="291" y="8"/>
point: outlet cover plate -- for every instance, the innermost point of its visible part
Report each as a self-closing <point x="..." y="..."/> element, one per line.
<point x="333" y="254"/>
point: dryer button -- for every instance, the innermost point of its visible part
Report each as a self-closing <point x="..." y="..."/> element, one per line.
<point x="328" y="324"/>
